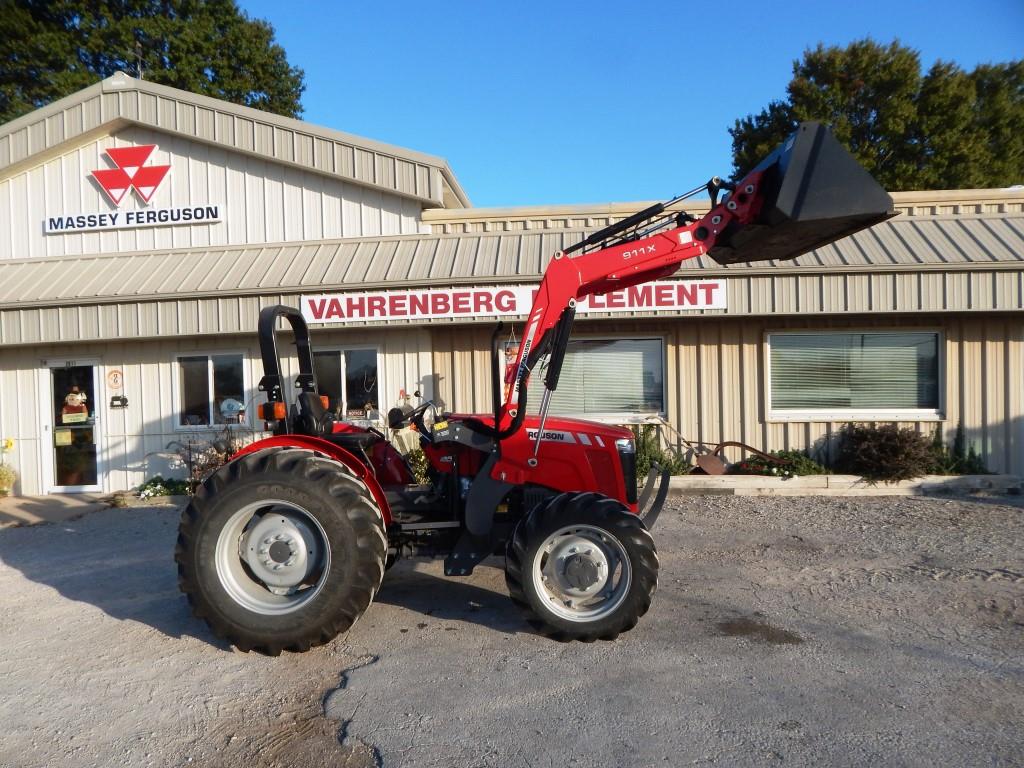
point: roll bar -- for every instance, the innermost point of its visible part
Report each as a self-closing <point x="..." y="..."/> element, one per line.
<point x="272" y="383"/>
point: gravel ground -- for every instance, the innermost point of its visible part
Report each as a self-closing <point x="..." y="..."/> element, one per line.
<point x="849" y="631"/>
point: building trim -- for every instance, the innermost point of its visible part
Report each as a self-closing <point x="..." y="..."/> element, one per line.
<point x="781" y="296"/>
<point x="980" y="244"/>
<point x="120" y="100"/>
<point x="1003" y="269"/>
<point x="913" y="203"/>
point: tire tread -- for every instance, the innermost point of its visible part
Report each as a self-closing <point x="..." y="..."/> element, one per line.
<point x="316" y="473"/>
<point x="584" y="508"/>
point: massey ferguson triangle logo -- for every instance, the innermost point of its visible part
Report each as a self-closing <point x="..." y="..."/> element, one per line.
<point x="131" y="173"/>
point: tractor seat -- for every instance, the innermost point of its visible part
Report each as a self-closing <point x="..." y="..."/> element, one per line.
<point x="311" y="417"/>
<point x="315" y="420"/>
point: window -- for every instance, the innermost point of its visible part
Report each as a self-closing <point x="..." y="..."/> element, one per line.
<point x="349" y="379"/>
<point x="874" y="373"/>
<point x="211" y="390"/>
<point x="613" y="379"/>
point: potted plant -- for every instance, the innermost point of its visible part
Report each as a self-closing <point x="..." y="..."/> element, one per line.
<point x="7" y="474"/>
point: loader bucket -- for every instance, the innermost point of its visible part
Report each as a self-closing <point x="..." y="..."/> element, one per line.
<point x="816" y="194"/>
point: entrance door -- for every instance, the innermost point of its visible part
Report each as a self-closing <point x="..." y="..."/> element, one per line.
<point x="73" y="426"/>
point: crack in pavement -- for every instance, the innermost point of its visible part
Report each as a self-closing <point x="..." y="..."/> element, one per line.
<point x="328" y="700"/>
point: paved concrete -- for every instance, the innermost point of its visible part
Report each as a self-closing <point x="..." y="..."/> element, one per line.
<point x="843" y="485"/>
<point x="801" y="631"/>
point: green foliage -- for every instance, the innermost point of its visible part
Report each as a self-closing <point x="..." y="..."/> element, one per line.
<point x="419" y="464"/>
<point x="792" y="463"/>
<point x="957" y="459"/>
<point x="649" y="450"/>
<point x="883" y="453"/>
<point x="942" y="129"/>
<point x="52" y="48"/>
<point x="8" y="477"/>
<point x="157" y="486"/>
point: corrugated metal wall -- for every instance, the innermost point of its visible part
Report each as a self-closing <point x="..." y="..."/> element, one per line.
<point x="715" y="378"/>
<point x="261" y="201"/>
<point x="796" y="295"/>
<point x="135" y="439"/>
<point x="715" y="386"/>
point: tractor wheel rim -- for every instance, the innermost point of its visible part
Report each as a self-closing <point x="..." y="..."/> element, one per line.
<point x="582" y="573"/>
<point x="272" y="557"/>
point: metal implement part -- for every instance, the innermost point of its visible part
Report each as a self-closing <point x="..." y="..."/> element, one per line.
<point x="272" y="557"/>
<point x="583" y="572"/>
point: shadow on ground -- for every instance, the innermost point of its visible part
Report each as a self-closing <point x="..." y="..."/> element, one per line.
<point x="408" y="585"/>
<point x="122" y="562"/>
<point x="31" y="510"/>
<point x="119" y="560"/>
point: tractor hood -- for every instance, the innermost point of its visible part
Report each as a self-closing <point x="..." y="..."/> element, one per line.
<point x="557" y="428"/>
<point x="816" y="193"/>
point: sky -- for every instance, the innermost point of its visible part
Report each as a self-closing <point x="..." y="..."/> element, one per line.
<point x="569" y="102"/>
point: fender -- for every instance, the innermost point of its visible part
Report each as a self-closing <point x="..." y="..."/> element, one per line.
<point x="339" y="454"/>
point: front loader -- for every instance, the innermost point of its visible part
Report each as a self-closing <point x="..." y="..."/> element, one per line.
<point x="285" y="546"/>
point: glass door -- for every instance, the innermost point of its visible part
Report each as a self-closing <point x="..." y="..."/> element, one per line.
<point x="73" y="405"/>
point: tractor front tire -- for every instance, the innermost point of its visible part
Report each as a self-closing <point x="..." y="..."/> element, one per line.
<point x="582" y="567"/>
<point x="282" y="549"/>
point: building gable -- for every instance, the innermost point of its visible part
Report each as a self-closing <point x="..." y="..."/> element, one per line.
<point x="119" y="100"/>
<point x="199" y="196"/>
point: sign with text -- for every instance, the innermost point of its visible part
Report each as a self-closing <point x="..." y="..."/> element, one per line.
<point x="144" y="217"/>
<point x="130" y="173"/>
<point x="446" y="303"/>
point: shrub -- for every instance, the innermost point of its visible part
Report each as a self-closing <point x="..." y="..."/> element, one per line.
<point x="955" y="460"/>
<point x="649" y="450"/>
<point x="157" y="486"/>
<point x="883" y="453"/>
<point x="419" y="464"/>
<point x="204" y="457"/>
<point x="8" y="477"/>
<point x="792" y="463"/>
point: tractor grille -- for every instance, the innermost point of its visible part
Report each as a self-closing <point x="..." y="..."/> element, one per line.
<point x="627" y="457"/>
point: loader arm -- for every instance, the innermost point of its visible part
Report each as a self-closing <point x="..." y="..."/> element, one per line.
<point x="631" y="262"/>
<point x="807" y="193"/>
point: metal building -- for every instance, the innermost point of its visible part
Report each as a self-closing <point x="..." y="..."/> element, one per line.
<point x="142" y="228"/>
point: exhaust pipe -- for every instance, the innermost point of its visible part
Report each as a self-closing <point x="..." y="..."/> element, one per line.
<point x="816" y="193"/>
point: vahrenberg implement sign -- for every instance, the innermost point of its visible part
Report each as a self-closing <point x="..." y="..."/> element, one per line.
<point x="430" y="304"/>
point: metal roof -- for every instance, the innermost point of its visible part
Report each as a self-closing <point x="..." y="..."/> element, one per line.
<point x="903" y="244"/>
<point x="122" y="100"/>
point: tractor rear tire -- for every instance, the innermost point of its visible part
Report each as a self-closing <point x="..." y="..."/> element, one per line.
<point x="582" y="567"/>
<point x="282" y="549"/>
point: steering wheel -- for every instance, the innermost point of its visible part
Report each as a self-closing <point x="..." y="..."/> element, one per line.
<point x="397" y="417"/>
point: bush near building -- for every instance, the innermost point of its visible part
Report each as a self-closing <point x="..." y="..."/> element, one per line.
<point x="649" y="450"/>
<point x="958" y="459"/>
<point x="419" y="464"/>
<point x="158" y="486"/>
<point x="886" y="453"/>
<point x="883" y="453"/>
<point x="791" y="464"/>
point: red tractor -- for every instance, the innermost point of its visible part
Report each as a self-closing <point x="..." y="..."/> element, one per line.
<point x="285" y="546"/>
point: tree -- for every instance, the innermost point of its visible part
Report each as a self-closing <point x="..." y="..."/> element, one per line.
<point x="943" y="129"/>
<point x="51" y="48"/>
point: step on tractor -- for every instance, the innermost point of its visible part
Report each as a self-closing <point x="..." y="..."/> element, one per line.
<point x="285" y="546"/>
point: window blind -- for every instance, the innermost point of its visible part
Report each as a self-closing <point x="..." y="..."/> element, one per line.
<point x="607" y="376"/>
<point x="861" y="371"/>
